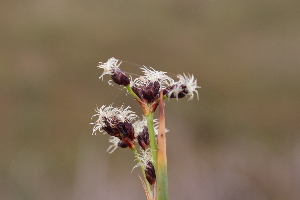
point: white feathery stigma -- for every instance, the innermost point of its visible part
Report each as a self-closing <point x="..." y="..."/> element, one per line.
<point x="191" y="84"/>
<point x="144" y="156"/>
<point x="151" y="75"/>
<point x="139" y="126"/>
<point x="115" y="141"/>
<point x="109" y="67"/>
<point x="187" y="84"/>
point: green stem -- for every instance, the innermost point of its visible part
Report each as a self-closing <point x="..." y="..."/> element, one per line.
<point x="131" y="92"/>
<point x="161" y="170"/>
<point x="142" y="168"/>
<point x="152" y="137"/>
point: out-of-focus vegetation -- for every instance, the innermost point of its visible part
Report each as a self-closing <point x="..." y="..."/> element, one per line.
<point x="240" y="141"/>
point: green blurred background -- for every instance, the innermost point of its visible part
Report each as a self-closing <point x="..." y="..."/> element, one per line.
<point x="239" y="141"/>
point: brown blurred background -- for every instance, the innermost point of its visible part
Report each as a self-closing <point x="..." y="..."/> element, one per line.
<point x="239" y="141"/>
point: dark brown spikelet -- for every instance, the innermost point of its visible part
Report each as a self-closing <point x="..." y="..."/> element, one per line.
<point x="128" y="129"/>
<point x="111" y="127"/>
<point x="143" y="138"/>
<point x="120" y="78"/>
<point x="115" y="127"/>
<point x="181" y="94"/>
<point x="122" y="144"/>
<point x="137" y="91"/>
<point x="150" y="173"/>
<point x="148" y="92"/>
<point x="151" y="91"/>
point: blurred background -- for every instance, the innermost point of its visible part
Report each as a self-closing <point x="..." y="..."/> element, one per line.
<point x="239" y="141"/>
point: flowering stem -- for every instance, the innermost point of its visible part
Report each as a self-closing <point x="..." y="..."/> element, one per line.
<point x="142" y="168"/>
<point x="131" y="92"/>
<point x="152" y="137"/>
<point x="161" y="170"/>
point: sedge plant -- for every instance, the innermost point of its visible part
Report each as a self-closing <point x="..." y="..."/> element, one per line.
<point x="145" y="137"/>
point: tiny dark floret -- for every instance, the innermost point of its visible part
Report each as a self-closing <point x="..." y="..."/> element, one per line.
<point x="150" y="173"/>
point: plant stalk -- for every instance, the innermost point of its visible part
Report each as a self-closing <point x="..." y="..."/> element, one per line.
<point x="152" y="138"/>
<point x="161" y="170"/>
<point x="131" y="92"/>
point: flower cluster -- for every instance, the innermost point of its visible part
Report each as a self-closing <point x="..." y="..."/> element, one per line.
<point x="117" y="123"/>
<point x="147" y="87"/>
<point x="122" y="124"/>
